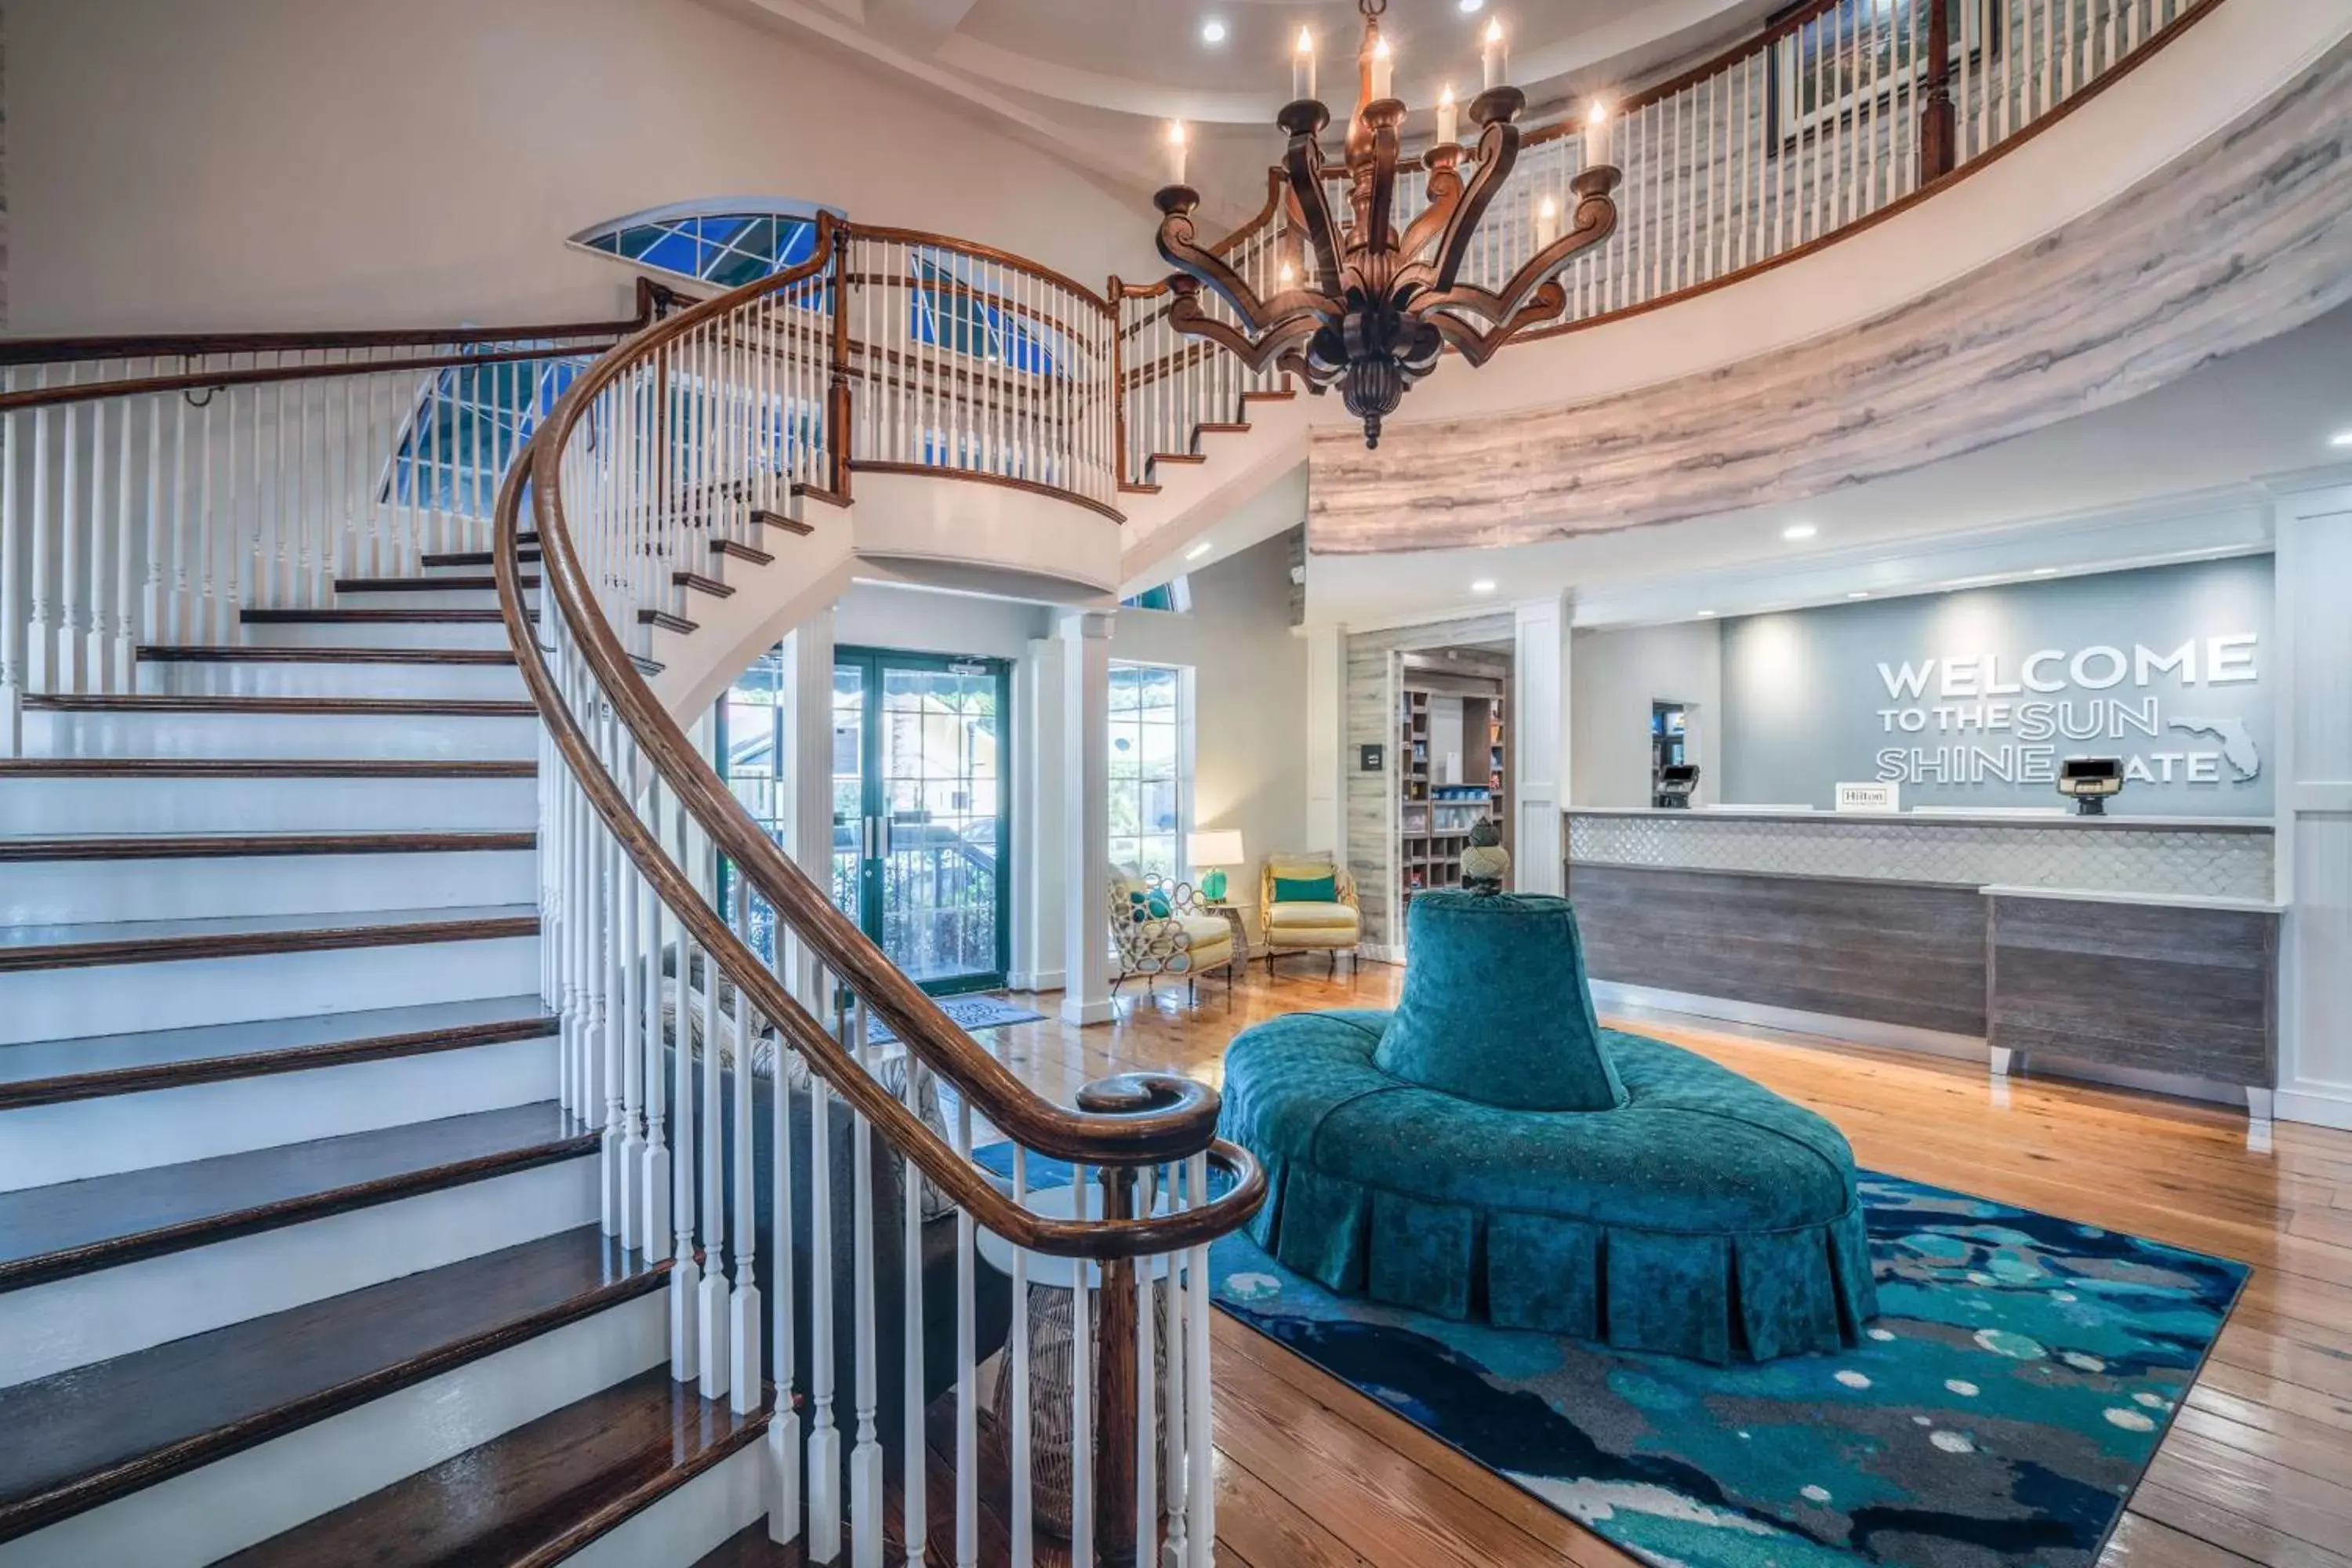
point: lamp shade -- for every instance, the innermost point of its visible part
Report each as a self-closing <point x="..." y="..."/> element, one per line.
<point x="1216" y="847"/>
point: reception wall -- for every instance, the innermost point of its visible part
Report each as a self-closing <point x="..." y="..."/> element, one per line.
<point x="1971" y="698"/>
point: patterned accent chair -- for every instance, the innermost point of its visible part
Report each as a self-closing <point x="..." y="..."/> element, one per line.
<point x="1157" y="929"/>
<point x="1329" y="924"/>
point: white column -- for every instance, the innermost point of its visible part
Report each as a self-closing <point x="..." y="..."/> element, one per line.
<point x="1040" y="904"/>
<point x="807" y="767"/>
<point x="1326" y="724"/>
<point x="2310" y="670"/>
<point x="1086" y="820"/>
<point x="1539" y="732"/>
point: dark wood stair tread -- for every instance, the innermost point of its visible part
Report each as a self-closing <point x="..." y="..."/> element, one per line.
<point x="475" y="557"/>
<point x="737" y="551"/>
<point x="249" y="845"/>
<point x="307" y="706"/>
<point x="244" y="936"/>
<point x="453" y="584"/>
<point x="75" y="1440"/>
<point x="264" y="768"/>
<point x="373" y="617"/>
<point x="54" y="1232"/>
<point x="532" y="1496"/>
<point x="43" y="1072"/>
<point x="667" y="621"/>
<point x="701" y="584"/>
<point x="240" y="653"/>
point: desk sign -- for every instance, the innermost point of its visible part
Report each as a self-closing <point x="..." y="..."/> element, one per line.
<point x="1368" y="759"/>
<point x="1869" y="797"/>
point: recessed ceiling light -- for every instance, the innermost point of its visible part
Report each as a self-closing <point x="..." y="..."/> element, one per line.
<point x="1199" y="550"/>
<point x="2341" y="438"/>
<point x="1705" y="613"/>
<point x="1483" y="586"/>
<point x="1474" y="4"/>
<point x="1213" y="31"/>
<point x="1859" y="594"/>
<point x="2045" y="571"/>
<point x="1798" y="531"/>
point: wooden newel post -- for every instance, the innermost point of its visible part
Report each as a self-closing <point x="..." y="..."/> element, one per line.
<point x="1115" y="1391"/>
<point x="1938" y="126"/>
<point x="837" y="397"/>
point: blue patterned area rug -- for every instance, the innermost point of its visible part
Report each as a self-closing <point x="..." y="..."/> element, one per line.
<point x="972" y="1014"/>
<point x="1998" y="1413"/>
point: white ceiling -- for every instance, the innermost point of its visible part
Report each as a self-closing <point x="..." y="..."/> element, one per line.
<point x="2165" y="475"/>
<point x="1100" y="76"/>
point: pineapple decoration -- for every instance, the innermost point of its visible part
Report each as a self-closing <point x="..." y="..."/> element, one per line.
<point x="1486" y="864"/>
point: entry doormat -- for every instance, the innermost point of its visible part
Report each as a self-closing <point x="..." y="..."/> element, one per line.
<point x="1999" y="1412"/>
<point x="972" y="1014"/>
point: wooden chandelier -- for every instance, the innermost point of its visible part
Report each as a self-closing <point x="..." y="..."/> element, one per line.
<point x="1376" y="308"/>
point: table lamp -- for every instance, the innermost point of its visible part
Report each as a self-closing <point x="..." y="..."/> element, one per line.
<point x="1216" y="849"/>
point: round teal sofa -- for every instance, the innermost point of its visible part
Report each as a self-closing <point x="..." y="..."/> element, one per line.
<point x="1488" y="1150"/>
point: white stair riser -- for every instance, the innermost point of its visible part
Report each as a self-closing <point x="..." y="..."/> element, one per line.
<point x="110" y="1312"/>
<point x="124" y="999"/>
<point x="691" y="1522"/>
<point x="41" y="808"/>
<point x="477" y="568"/>
<point x="43" y="1144"/>
<point x="424" y="598"/>
<point x="374" y="735"/>
<point x="77" y="892"/>
<point x="224" y="1507"/>
<point x="377" y="633"/>
<point x="176" y="678"/>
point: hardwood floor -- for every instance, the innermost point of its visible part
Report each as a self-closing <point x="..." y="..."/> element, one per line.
<point x="2258" y="1466"/>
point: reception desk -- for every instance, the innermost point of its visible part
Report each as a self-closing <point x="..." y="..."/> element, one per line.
<point x="2140" y="949"/>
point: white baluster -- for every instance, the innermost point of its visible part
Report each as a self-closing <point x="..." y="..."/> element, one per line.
<point x="1083" y="1318"/>
<point x="1200" y="1454"/>
<point x="627" y="1015"/>
<point x="711" y="1323"/>
<point x="825" y="1440"/>
<point x="686" y="1341"/>
<point x="967" y="1440"/>
<point x="784" y="1458"/>
<point x="743" y="1320"/>
<point x="866" y="1455"/>
<point x="655" y="1182"/>
<point x="1023" y="1523"/>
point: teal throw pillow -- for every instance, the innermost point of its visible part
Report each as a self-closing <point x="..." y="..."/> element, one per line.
<point x="1306" y="891"/>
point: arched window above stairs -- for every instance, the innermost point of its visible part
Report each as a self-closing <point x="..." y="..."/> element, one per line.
<point x="726" y="241"/>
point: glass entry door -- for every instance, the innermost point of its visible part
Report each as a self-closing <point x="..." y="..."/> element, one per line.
<point x="919" y="811"/>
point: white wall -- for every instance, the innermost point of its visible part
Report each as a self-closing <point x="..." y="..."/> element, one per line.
<point x="879" y="614"/>
<point x="1249" y="768"/>
<point x="216" y="164"/>
<point x="1614" y="678"/>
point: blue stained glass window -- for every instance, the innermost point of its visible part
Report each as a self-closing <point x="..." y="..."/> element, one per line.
<point x="725" y="249"/>
<point x="470" y="423"/>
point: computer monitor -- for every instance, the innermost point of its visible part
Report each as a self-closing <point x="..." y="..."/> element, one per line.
<point x="2090" y="780"/>
<point x="1675" y="783"/>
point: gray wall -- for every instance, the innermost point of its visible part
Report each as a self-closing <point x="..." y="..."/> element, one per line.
<point x="1814" y="697"/>
<point x="1613" y="676"/>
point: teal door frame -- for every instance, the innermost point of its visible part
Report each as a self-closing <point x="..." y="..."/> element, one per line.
<point x="871" y="835"/>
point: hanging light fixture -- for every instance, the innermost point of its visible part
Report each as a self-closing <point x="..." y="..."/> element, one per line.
<point x="1373" y="308"/>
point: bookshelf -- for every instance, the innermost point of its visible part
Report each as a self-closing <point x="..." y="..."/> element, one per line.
<point x="1434" y="815"/>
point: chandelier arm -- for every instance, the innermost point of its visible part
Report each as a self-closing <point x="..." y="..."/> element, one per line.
<point x="1478" y="347"/>
<point x="1185" y="315"/>
<point x="1498" y="151"/>
<point x="1302" y="161"/>
<point x="1179" y="247"/>
<point x="1445" y="196"/>
<point x="1376" y="235"/>
<point x="1596" y="220"/>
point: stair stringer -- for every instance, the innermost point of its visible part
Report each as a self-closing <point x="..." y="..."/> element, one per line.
<point x="1193" y="498"/>
<point x="769" y="600"/>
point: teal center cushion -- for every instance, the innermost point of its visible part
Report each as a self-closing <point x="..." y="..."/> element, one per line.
<point x="1496" y="1008"/>
<point x="1306" y="889"/>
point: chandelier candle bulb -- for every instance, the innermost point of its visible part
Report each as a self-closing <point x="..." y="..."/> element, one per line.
<point x="1448" y="117"/>
<point x="1597" y="138"/>
<point x="1547" y="222"/>
<point x="1302" y="68"/>
<point x="1175" y="152"/>
<point x="1493" y="58"/>
<point x="1383" y="70"/>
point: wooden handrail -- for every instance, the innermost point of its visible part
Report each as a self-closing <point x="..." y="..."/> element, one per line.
<point x="1134" y="1118"/>
<point x="985" y="253"/>
<point x="178" y="345"/>
<point x="208" y="381"/>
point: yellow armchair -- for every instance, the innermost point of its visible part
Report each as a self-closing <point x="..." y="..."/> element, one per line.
<point x="1330" y="926"/>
